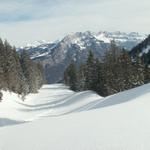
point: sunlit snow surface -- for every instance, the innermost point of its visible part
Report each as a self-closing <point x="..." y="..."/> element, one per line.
<point x="52" y="100"/>
<point x="59" y="119"/>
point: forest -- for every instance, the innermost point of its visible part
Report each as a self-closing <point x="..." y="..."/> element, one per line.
<point x="18" y="73"/>
<point x="115" y="72"/>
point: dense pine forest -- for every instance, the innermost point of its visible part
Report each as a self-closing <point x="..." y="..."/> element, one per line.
<point x="116" y="72"/>
<point x="18" y="73"/>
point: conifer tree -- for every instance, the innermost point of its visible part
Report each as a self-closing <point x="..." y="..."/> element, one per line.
<point x="89" y="72"/>
<point x="116" y="72"/>
<point x="2" y="84"/>
<point x="28" y="70"/>
<point x="81" y="77"/>
<point x="18" y="73"/>
<point x="138" y="71"/>
<point x="70" y="76"/>
<point x="146" y="74"/>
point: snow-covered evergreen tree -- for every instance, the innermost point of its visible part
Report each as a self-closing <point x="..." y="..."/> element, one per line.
<point x="18" y="73"/>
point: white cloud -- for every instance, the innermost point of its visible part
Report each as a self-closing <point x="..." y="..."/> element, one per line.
<point x="51" y="20"/>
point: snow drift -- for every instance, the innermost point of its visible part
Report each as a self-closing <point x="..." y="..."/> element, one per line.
<point x="117" y="122"/>
<point x="52" y="100"/>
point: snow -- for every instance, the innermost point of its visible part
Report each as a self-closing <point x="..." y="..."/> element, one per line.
<point x="145" y="51"/>
<point x="117" y="122"/>
<point x="39" y="55"/>
<point x="79" y="42"/>
<point x="103" y="37"/>
<point x="77" y="39"/>
<point x="118" y="36"/>
<point x="35" y="44"/>
<point x="81" y="39"/>
<point x="52" y="100"/>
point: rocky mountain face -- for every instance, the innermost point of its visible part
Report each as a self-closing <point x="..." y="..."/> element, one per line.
<point x="56" y="56"/>
<point x="142" y="50"/>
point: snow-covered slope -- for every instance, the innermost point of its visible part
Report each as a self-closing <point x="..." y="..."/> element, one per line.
<point x="52" y="100"/>
<point x="123" y="125"/>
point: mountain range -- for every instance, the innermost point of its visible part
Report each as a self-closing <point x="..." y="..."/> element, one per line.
<point x="56" y="56"/>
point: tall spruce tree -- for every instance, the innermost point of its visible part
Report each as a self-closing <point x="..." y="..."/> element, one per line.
<point x="29" y="72"/>
<point x="2" y="83"/>
<point x="70" y="76"/>
<point x="90" y="72"/>
<point x="81" y="77"/>
<point x="111" y="68"/>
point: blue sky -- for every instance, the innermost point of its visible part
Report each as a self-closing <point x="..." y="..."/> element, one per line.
<point x="25" y="21"/>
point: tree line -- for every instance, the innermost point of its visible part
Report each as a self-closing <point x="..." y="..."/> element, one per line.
<point x="115" y="72"/>
<point x="18" y="73"/>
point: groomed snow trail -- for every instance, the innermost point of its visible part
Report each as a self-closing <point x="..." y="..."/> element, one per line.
<point x="52" y="100"/>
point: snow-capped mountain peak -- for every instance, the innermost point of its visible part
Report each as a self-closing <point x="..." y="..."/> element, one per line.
<point x="81" y="38"/>
<point x="34" y="44"/>
<point x="103" y="36"/>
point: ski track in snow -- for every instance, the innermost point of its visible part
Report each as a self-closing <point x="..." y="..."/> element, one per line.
<point x="56" y="100"/>
<point x="52" y="100"/>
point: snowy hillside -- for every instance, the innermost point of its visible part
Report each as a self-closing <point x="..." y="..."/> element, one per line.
<point x="117" y="122"/>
